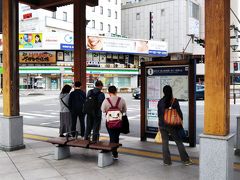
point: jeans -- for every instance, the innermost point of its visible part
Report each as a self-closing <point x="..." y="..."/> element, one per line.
<point x="114" y="138"/>
<point x="93" y="123"/>
<point x="166" y="132"/>
<point x="81" y="117"/>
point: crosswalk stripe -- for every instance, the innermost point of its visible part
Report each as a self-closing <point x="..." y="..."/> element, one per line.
<point x="49" y="123"/>
<point x="34" y="114"/>
<point x="28" y="117"/>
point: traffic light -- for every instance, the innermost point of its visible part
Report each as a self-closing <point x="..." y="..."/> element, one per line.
<point x="235" y="66"/>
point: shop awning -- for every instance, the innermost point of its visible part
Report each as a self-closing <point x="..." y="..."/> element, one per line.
<point x="53" y="4"/>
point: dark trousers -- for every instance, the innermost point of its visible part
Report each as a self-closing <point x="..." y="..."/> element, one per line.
<point x="114" y="138"/>
<point x="81" y="117"/>
<point x="93" y="123"/>
<point x="166" y="132"/>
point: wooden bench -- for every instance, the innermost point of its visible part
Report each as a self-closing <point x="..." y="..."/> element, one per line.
<point x="105" y="149"/>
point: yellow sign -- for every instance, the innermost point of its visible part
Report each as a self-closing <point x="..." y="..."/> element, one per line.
<point x="37" y="57"/>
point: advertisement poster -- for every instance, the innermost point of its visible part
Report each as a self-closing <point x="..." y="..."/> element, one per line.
<point x="33" y="40"/>
<point x="157" y="78"/>
<point x="97" y="43"/>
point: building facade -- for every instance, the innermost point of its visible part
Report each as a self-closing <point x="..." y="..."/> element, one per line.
<point x="102" y="19"/>
<point x="179" y="22"/>
<point x="165" y="20"/>
<point x="44" y="34"/>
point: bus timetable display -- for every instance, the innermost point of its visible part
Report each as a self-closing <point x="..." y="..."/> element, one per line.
<point x="157" y="78"/>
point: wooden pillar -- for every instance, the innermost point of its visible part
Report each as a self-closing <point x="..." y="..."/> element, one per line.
<point x="80" y="42"/>
<point x="10" y="58"/>
<point x="217" y="60"/>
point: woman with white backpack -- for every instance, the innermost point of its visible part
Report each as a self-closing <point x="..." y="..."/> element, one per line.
<point x="114" y="107"/>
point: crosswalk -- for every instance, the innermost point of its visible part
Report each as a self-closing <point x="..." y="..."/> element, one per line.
<point x="50" y="117"/>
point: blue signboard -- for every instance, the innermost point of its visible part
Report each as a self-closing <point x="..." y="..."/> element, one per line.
<point x="167" y="71"/>
<point x="67" y="47"/>
<point x="158" y="53"/>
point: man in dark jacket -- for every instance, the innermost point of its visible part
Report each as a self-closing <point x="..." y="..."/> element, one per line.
<point x="76" y="101"/>
<point x="94" y="116"/>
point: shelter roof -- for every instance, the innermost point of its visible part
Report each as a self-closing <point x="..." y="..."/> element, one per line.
<point x="53" y="4"/>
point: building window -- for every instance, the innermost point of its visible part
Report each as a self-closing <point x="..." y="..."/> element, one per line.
<point x="115" y="14"/>
<point x="138" y="16"/>
<point x="101" y="10"/>
<point x="101" y="26"/>
<point x="54" y="15"/>
<point x="65" y="16"/>
<point x="109" y="12"/>
<point x="93" y="24"/>
<point x="93" y="9"/>
<point x="116" y="29"/>
<point x="109" y="28"/>
<point x="194" y="10"/>
<point x="162" y="12"/>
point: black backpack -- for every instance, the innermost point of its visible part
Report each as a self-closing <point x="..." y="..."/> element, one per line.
<point x="92" y="104"/>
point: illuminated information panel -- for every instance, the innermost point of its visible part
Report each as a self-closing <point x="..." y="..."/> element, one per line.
<point x="157" y="77"/>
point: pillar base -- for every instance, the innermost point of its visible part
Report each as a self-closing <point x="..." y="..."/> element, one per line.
<point x="11" y="133"/>
<point x="216" y="157"/>
<point x="104" y="159"/>
<point x="61" y="152"/>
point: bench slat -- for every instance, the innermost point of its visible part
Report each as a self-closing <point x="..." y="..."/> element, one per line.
<point x="104" y="146"/>
<point x="78" y="143"/>
<point x="58" y="140"/>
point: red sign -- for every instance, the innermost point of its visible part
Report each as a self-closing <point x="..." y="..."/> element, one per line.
<point x="27" y="16"/>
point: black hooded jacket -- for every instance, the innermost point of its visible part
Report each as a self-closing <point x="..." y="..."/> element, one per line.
<point x="161" y="109"/>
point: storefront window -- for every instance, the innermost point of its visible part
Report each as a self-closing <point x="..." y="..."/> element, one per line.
<point x="108" y="81"/>
<point x="124" y="82"/>
<point x="68" y="56"/>
<point x="54" y="84"/>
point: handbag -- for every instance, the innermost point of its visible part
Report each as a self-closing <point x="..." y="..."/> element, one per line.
<point x="125" y="125"/>
<point x="182" y="134"/>
<point x="171" y="116"/>
<point x="158" y="138"/>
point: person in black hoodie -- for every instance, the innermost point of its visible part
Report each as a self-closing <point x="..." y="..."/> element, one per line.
<point x="94" y="113"/>
<point x="76" y="101"/>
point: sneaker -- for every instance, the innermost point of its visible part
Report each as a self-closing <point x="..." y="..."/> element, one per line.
<point x="167" y="164"/>
<point x="115" y="157"/>
<point x="187" y="163"/>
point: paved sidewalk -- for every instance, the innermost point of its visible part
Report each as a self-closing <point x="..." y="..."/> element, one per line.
<point x="137" y="160"/>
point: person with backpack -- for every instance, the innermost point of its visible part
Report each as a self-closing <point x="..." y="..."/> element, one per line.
<point x="76" y="101"/>
<point x="65" y="115"/>
<point x="92" y="108"/>
<point x="114" y="107"/>
<point x="170" y="123"/>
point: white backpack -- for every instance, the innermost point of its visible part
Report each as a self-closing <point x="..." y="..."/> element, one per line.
<point x="114" y="115"/>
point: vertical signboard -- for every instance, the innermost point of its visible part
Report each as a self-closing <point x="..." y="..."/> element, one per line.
<point x="156" y="78"/>
<point x="181" y="76"/>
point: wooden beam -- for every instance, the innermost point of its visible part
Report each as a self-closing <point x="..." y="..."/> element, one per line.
<point x="45" y="4"/>
<point x="80" y="42"/>
<point x="217" y="62"/>
<point x="10" y="58"/>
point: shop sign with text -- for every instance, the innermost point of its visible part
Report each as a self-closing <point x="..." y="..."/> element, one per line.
<point x="37" y="57"/>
